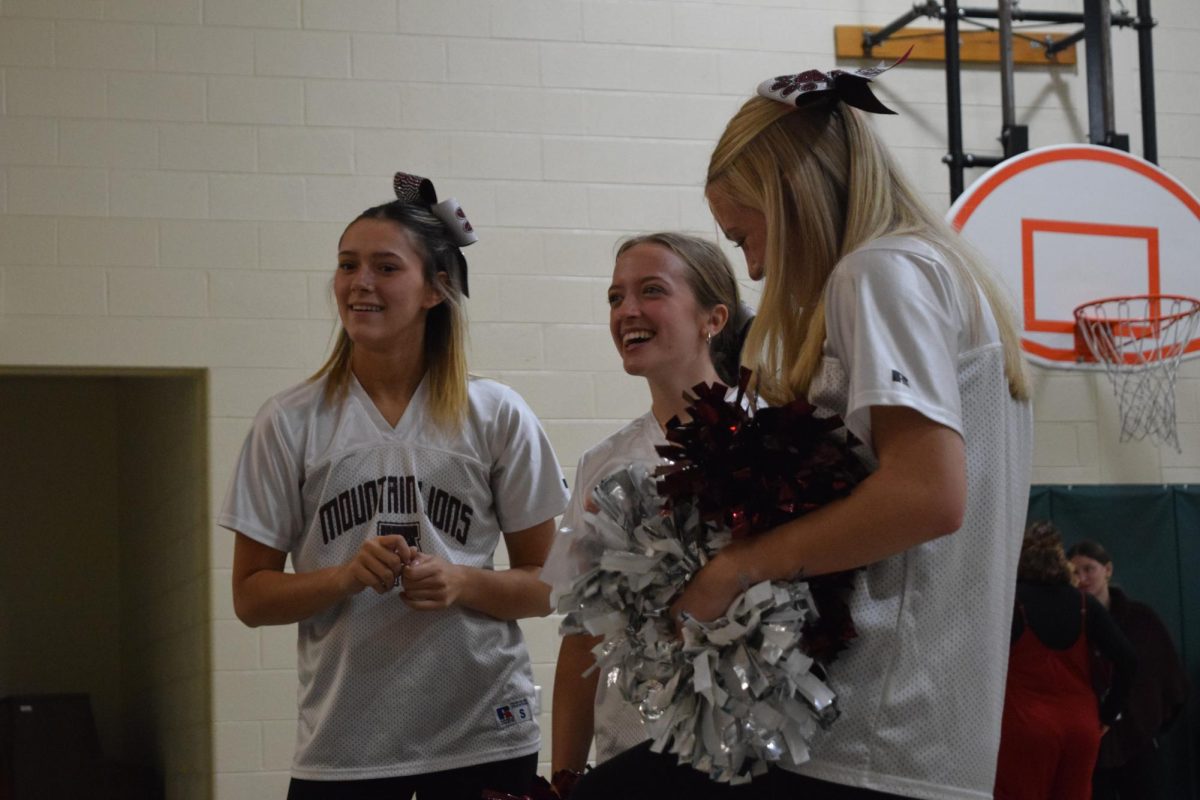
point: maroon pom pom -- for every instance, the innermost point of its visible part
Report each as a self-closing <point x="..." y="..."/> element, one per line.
<point x="753" y="470"/>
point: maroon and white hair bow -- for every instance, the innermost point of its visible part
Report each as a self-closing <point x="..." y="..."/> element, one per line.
<point x="419" y="191"/>
<point x="851" y="87"/>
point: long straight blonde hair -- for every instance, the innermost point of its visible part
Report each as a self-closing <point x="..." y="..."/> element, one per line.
<point x="445" y="338"/>
<point x="827" y="186"/>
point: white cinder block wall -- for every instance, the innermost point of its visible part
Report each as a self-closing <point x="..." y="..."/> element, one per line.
<point x="164" y="579"/>
<point x="174" y="175"/>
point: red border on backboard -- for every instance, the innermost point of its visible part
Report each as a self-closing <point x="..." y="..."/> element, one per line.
<point x="999" y="175"/>
<point x="1029" y="227"/>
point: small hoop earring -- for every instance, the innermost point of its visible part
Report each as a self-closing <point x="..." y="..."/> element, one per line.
<point x="708" y="339"/>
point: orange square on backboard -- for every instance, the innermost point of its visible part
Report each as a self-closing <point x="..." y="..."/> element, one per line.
<point x="1030" y="227"/>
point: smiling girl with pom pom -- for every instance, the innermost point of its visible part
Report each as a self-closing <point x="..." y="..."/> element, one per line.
<point x="675" y="318"/>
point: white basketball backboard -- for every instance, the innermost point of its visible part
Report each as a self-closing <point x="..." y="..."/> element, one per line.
<point x="1069" y="224"/>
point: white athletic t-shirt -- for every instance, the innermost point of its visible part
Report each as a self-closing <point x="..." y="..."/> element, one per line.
<point x="921" y="689"/>
<point x="617" y="723"/>
<point x="384" y="690"/>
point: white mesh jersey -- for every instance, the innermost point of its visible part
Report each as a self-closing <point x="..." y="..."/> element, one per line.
<point x="384" y="690"/>
<point x="922" y="687"/>
<point x="618" y="725"/>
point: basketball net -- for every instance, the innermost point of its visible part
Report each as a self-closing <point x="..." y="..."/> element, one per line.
<point x="1139" y="340"/>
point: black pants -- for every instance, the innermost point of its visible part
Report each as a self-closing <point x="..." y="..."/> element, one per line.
<point x="513" y="776"/>
<point x="638" y="774"/>
<point x="1141" y="778"/>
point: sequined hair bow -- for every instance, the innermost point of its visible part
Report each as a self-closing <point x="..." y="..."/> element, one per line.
<point x="851" y="87"/>
<point x="419" y="191"/>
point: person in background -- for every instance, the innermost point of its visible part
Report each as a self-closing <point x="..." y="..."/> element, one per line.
<point x="675" y="317"/>
<point x="389" y="478"/>
<point x="1052" y="724"/>
<point x="1130" y="764"/>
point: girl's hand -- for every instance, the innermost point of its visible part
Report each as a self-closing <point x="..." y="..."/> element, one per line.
<point x="711" y="591"/>
<point x="376" y="565"/>
<point x="431" y="582"/>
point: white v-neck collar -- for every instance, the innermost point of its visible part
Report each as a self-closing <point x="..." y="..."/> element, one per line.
<point x="411" y="411"/>
<point x="651" y="430"/>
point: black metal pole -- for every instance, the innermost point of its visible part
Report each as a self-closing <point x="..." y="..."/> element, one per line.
<point x="1096" y="84"/>
<point x="1063" y="43"/>
<point x="1121" y="20"/>
<point x="870" y="39"/>
<point x="1145" y="23"/>
<point x="1014" y="137"/>
<point x="1007" y="101"/>
<point x="981" y="161"/>
<point x="954" y="159"/>
<point x="1110" y="110"/>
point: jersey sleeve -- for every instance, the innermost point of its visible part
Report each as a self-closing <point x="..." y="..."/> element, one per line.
<point x="893" y="321"/>
<point x="564" y="562"/>
<point x="264" y="496"/>
<point x="527" y="483"/>
<point x="572" y="517"/>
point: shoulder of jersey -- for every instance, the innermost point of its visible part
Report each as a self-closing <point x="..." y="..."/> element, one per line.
<point x="301" y="398"/>
<point x="878" y="261"/>
<point x="488" y="396"/>
<point x="616" y="441"/>
<point x="908" y="245"/>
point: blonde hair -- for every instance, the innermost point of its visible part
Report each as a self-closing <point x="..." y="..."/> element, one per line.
<point x="827" y="186"/>
<point x="711" y="280"/>
<point x="445" y="339"/>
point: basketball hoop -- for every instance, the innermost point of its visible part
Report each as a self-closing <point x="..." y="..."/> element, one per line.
<point x="1139" y="340"/>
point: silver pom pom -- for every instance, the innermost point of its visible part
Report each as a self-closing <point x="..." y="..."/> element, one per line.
<point x="729" y="697"/>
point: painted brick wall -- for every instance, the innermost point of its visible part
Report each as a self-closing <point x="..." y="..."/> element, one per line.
<point x="174" y="174"/>
<point x="166" y="663"/>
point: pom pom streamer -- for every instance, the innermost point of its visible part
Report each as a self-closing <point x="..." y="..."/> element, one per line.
<point x="734" y="695"/>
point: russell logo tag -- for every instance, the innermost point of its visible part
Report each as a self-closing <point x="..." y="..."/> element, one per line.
<point x="513" y="713"/>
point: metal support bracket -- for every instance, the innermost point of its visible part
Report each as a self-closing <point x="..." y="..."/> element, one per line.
<point x="1098" y="22"/>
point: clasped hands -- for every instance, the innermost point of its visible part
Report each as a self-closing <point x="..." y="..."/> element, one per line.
<point x="430" y="582"/>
